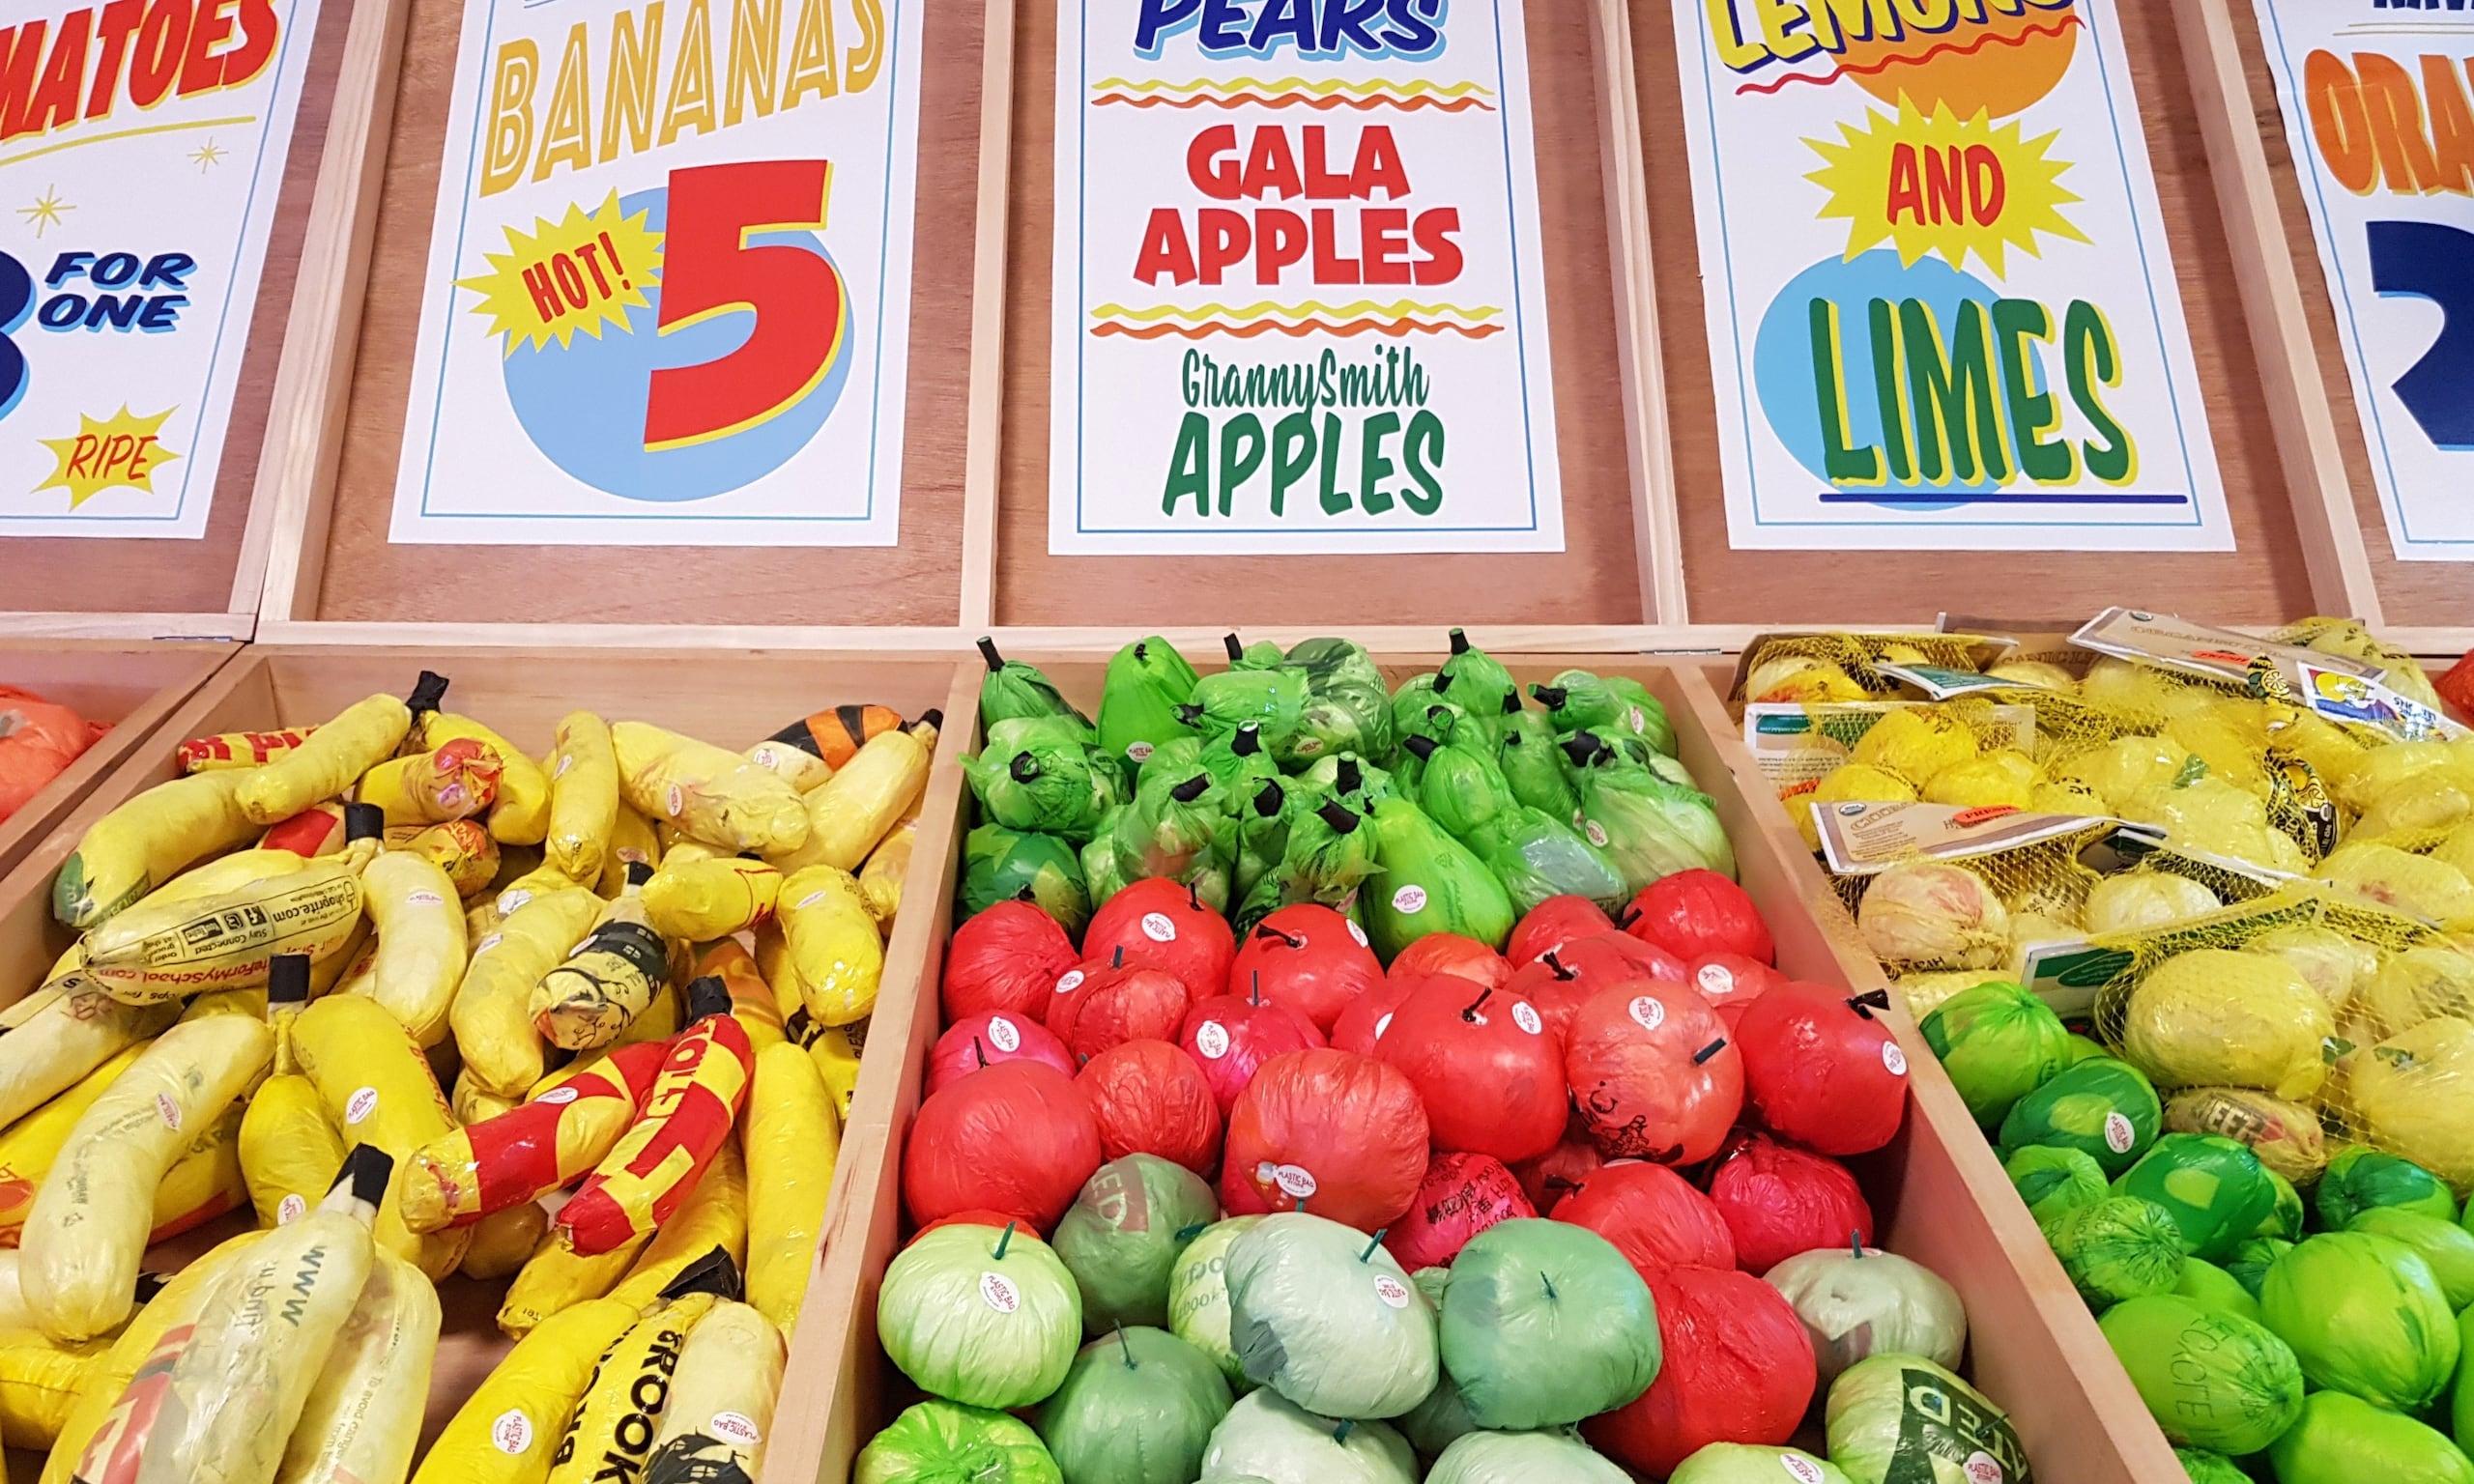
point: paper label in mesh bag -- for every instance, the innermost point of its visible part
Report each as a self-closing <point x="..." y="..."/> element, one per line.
<point x="1864" y="839"/>
<point x="1793" y="744"/>
<point x="2349" y="698"/>
<point x="2189" y="648"/>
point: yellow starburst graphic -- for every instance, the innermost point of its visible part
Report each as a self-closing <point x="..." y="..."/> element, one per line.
<point x="1939" y="184"/>
<point x="119" y="450"/>
<point x="574" y="274"/>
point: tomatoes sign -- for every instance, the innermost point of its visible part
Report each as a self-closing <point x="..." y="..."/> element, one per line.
<point x="669" y="281"/>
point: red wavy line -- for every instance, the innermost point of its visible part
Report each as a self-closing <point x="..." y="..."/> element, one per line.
<point x="1295" y="100"/>
<point x="1943" y="48"/>
<point x="1395" y="329"/>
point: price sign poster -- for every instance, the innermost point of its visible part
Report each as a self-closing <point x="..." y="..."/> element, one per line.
<point x="2378" y="103"/>
<point x="669" y="288"/>
<point x="141" y="155"/>
<point x="1940" y="305"/>
<point x="1299" y="299"/>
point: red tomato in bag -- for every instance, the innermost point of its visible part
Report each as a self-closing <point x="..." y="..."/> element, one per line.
<point x="1361" y="1027"/>
<point x="1162" y="924"/>
<point x="1818" y="1069"/>
<point x="1231" y="1037"/>
<point x="1006" y="959"/>
<point x="1461" y="1196"/>
<point x="1699" y="911"/>
<point x="982" y="1041"/>
<point x="1339" y="1135"/>
<point x="1779" y="1200"/>
<point x="1653" y="1216"/>
<point x="1655" y="1073"/>
<point x="1151" y="1099"/>
<point x="1554" y="922"/>
<point x="1738" y="1368"/>
<point x="1488" y="1070"/>
<point x="1448" y="953"/>
<point x="1017" y="1137"/>
<point x="1307" y="958"/>
<point x="1096" y="1005"/>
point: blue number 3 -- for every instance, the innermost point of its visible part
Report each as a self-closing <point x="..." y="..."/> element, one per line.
<point x="2425" y="260"/>
<point x="17" y="301"/>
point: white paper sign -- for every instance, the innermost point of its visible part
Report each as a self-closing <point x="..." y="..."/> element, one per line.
<point x="2379" y="106"/>
<point x="669" y="288"/>
<point x="141" y="158"/>
<point x="1298" y="300"/>
<point x="1941" y="308"/>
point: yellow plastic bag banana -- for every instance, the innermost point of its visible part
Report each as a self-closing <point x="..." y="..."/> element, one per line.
<point x="607" y="980"/>
<point x="377" y="1087"/>
<point x="29" y="1146"/>
<point x="836" y="1052"/>
<point x="506" y="1431"/>
<point x="14" y="1313"/>
<point x="238" y="749"/>
<point x="555" y="1280"/>
<point x="712" y="795"/>
<point x="155" y="951"/>
<point x="858" y="805"/>
<point x="521" y="816"/>
<point x="881" y="879"/>
<point x="421" y="953"/>
<point x="73" y="1028"/>
<point x="505" y="1240"/>
<point x="801" y="769"/>
<point x="751" y="997"/>
<point x="612" y="1430"/>
<point x="88" y="1227"/>
<point x="492" y="1014"/>
<point x="792" y="1136"/>
<point x="237" y="1388"/>
<point x="147" y="841"/>
<point x="472" y="1104"/>
<point x="203" y="1183"/>
<point x="318" y="830"/>
<point x="721" y="1398"/>
<point x="584" y="796"/>
<point x="362" y="736"/>
<point x="836" y="956"/>
<point x="703" y="900"/>
<point x="457" y="781"/>
<point x="632" y="839"/>
<point x="289" y="1149"/>
<point x="460" y="848"/>
<point x="161" y="1325"/>
<point x="40" y="1379"/>
<point x="231" y="872"/>
<point x="713" y="1215"/>
<point x="364" y="1414"/>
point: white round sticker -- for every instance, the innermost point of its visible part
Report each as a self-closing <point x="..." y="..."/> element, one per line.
<point x="360" y="1104"/>
<point x="1596" y="832"/>
<point x="1382" y="1025"/>
<point x="1983" y="1467"/>
<point x="557" y="1097"/>
<point x="512" y="1433"/>
<point x="451" y="796"/>
<point x="1158" y="929"/>
<point x="809" y="900"/>
<point x="1357" y="933"/>
<point x="677" y="800"/>
<point x="1140" y="752"/>
<point x="1894" y="1058"/>
<point x="1409" y="899"/>
<point x="1803" y="1471"/>
<point x="513" y="902"/>
<point x="2119" y="1135"/>
<point x="1640" y="723"/>
<point x="734" y="1427"/>
<point x="1069" y="982"/>
<point x="1391" y="1291"/>
<point x="1525" y="1017"/>
<point x="998" y="1292"/>
<point x="423" y="900"/>
<point x="1716" y="979"/>
<point x="567" y="761"/>
<point x="1211" y="1039"/>
<point x="762" y="756"/>
<point x="291" y="1208"/>
<point x="1298" y="1182"/>
<point x="168" y="1111"/>
<point x="488" y="943"/>
<point x="1649" y="1011"/>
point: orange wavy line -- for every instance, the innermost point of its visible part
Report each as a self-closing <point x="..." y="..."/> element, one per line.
<point x="1297" y="101"/>
<point x="1943" y="48"/>
<point x="1393" y="328"/>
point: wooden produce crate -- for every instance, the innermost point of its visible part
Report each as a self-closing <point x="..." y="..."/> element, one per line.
<point x="1938" y="1194"/>
<point x="736" y="697"/>
<point x="133" y="685"/>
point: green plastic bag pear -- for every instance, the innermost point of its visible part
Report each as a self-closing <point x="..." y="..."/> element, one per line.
<point x="1147" y="681"/>
<point x="1003" y="865"/>
<point x="1458" y="787"/>
<point x="946" y="1442"/>
<point x="1168" y="829"/>
<point x="1429" y="882"/>
<point x="1262" y="837"/>
<point x="1348" y="707"/>
<point x="1048" y="787"/>
<point x="1349" y="778"/>
<point x="1331" y="851"/>
<point x="1239" y="761"/>
<point x="1101" y="878"/>
<point x="1577" y="699"/>
<point x="1477" y="682"/>
<point x="1012" y="689"/>
<point x="1537" y="856"/>
<point x="1261" y="654"/>
<point x="1271" y="700"/>
<point x="1534" y="767"/>
<point x="1437" y="720"/>
<point x="1652" y="828"/>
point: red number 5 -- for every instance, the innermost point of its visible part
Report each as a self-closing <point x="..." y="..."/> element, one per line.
<point x="708" y="269"/>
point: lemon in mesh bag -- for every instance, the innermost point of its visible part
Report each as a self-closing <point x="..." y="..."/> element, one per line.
<point x="1916" y="743"/>
<point x="1928" y="912"/>
<point x="2207" y="813"/>
<point x="1779" y="677"/>
<point x="2003" y="776"/>
<point x="2409" y="987"/>
<point x="2145" y="898"/>
<point x="2220" y="1017"/>
<point x="2327" y="960"/>
<point x="2412" y="1095"/>
<point x="1851" y="784"/>
<point x="2117" y="771"/>
<point x="2132" y="691"/>
<point x="2043" y="674"/>
<point x="2418" y="885"/>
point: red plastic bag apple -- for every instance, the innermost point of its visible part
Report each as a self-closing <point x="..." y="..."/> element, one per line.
<point x="1723" y="977"/>
<point x="1339" y="1135"/>
<point x="1018" y="1138"/>
<point x="1552" y="924"/>
<point x="1489" y="1072"/>
<point x="1162" y="924"/>
<point x="1461" y="1196"/>
<point x="1653" y="1216"/>
<point x="1699" y="911"/>
<point x="983" y="1041"/>
<point x="1005" y="958"/>
<point x="1554" y="1174"/>
<point x="1100" y="1003"/>
<point x="1448" y="953"/>
<point x="1818" y="1069"/>
<point x="1779" y="1200"/>
<point x="1230" y="1038"/>
<point x="1612" y="957"/>
<point x="1738" y="1368"/>
<point x="1307" y="958"/>
<point x="1655" y="1073"/>
<point x="1361" y="1027"/>
<point x="1556" y="988"/>
<point x="1151" y="1099"/>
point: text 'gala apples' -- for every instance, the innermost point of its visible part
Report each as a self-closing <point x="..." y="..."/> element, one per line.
<point x="1655" y="1073"/>
<point x="1309" y="958"/>
<point x="1151" y="1099"/>
<point x="1016" y="1137"/>
<point x="1342" y="1135"/>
